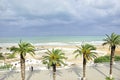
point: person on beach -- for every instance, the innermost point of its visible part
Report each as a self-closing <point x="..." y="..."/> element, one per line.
<point x="31" y="68"/>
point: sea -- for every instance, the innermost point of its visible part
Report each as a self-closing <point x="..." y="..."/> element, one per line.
<point x="53" y="40"/>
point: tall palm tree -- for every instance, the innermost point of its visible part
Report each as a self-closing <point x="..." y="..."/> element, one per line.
<point x="22" y="49"/>
<point x="113" y="40"/>
<point x="88" y="54"/>
<point x="53" y="58"/>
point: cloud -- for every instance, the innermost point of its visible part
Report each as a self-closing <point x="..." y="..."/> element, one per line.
<point x="67" y="8"/>
<point x="37" y="7"/>
<point x="57" y="17"/>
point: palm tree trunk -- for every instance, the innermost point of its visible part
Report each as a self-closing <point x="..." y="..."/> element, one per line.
<point x="84" y="68"/>
<point x="54" y="71"/>
<point x="112" y="60"/>
<point x="22" y="62"/>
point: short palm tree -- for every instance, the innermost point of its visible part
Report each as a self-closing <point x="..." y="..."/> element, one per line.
<point x="113" y="40"/>
<point x="88" y="54"/>
<point x="54" y="58"/>
<point x="22" y="49"/>
<point x="2" y="57"/>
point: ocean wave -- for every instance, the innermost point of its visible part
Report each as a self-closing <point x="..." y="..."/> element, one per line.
<point x="88" y="42"/>
<point x="55" y="43"/>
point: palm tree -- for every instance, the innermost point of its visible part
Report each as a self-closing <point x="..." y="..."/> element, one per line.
<point x="1" y="56"/>
<point x="22" y="49"/>
<point x="113" y="40"/>
<point x="88" y="54"/>
<point x="54" y="58"/>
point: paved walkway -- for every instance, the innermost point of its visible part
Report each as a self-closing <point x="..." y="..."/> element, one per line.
<point x="98" y="72"/>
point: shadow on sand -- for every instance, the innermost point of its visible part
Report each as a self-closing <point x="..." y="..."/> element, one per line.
<point x="30" y="73"/>
<point x="96" y="68"/>
<point x="58" y="73"/>
<point x="76" y="69"/>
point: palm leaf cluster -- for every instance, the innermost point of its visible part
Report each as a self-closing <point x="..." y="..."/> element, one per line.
<point x="87" y="50"/>
<point x="23" y="48"/>
<point x="112" y="40"/>
<point x="54" y="57"/>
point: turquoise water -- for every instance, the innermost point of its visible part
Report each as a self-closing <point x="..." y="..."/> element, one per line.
<point x="46" y="39"/>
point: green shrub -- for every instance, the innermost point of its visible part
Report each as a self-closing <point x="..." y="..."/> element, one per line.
<point x="6" y="66"/>
<point x="117" y="58"/>
<point x="102" y="59"/>
<point x="10" y="56"/>
<point x="108" y="78"/>
<point x="1" y="56"/>
<point x="105" y="59"/>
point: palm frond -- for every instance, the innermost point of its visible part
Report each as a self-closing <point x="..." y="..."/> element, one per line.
<point x="112" y="40"/>
<point x="86" y="50"/>
<point x="54" y="56"/>
<point x="23" y="48"/>
<point x="76" y="55"/>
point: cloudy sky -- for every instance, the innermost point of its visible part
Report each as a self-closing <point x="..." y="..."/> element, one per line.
<point x="59" y="17"/>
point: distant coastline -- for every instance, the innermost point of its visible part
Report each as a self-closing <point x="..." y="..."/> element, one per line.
<point x="52" y="40"/>
<point x="49" y="39"/>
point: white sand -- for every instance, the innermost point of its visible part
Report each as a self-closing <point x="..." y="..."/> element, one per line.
<point x="73" y="73"/>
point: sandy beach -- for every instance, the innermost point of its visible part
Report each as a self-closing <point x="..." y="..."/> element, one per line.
<point x="72" y="72"/>
<point x="67" y="49"/>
